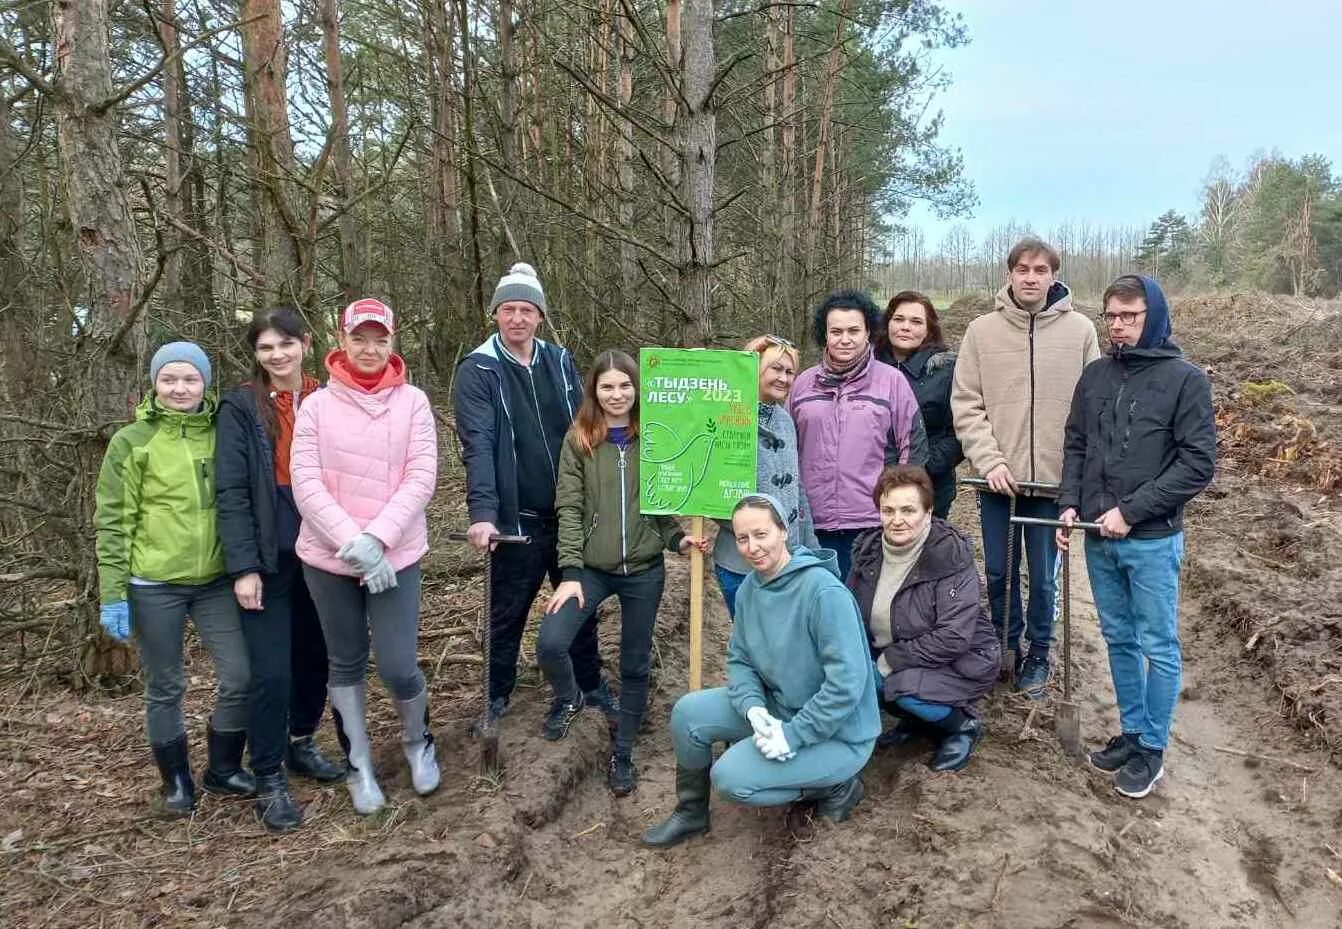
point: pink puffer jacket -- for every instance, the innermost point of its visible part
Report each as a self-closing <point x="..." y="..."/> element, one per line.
<point x="363" y="462"/>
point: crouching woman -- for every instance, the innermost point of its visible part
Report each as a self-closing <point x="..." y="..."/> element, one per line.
<point x="918" y="589"/>
<point x="799" y="709"/>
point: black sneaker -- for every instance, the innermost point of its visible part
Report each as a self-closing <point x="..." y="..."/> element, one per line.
<point x="622" y="775"/>
<point x="1114" y="754"/>
<point x="561" y="716"/>
<point x="605" y="701"/>
<point x="1032" y="676"/>
<point x="1136" y="778"/>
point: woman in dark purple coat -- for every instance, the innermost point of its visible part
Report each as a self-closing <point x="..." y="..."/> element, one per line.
<point x="935" y="651"/>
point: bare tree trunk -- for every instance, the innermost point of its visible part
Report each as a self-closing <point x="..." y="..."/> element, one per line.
<point x="173" y="176"/>
<point x="442" y="227"/>
<point x="469" y="87"/>
<point x="624" y="33"/>
<point x="832" y="68"/>
<point x="699" y="153"/>
<point x="508" y="121"/>
<point x="113" y="330"/>
<point x="767" y="283"/>
<point x="353" y="279"/>
<point x="279" y="229"/>
<point x="672" y="221"/>
<point x="787" y="182"/>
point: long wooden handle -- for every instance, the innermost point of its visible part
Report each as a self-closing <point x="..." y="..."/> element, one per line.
<point x="696" y="607"/>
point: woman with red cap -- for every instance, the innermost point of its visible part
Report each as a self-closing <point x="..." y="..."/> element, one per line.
<point x="364" y="464"/>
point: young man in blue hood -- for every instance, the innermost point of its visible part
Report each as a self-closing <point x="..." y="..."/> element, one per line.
<point x="799" y="680"/>
<point x="1140" y="442"/>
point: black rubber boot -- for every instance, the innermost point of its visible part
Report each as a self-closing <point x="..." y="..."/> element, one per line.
<point x="225" y="774"/>
<point x="690" y="817"/>
<point x="960" y="734"/>
<point x="305" y="759"/>
<point x="275" y="806"/>
<point x="836" y="803"/>
<point x="906" y="729"/>
<point x="179" y="790"/>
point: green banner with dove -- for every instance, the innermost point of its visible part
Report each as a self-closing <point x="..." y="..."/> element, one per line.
<point x="699" y="410"/>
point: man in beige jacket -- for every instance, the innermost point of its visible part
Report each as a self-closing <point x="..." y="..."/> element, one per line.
<point x="1014" y="379"/>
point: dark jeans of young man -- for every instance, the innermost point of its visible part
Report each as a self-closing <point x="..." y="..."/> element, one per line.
<point x="639" y="594"/>
<point x="840" y="542"/>
<point x="289" y="664"/>
<point x="517" y="574"/>
<point x="1040" y="551"/>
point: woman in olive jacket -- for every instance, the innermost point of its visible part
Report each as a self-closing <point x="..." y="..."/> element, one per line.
<point x="606" y="548"/>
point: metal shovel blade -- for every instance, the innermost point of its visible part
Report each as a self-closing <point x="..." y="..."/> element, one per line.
<point x="1067" y="725"/>
<point x="490" y="764"/>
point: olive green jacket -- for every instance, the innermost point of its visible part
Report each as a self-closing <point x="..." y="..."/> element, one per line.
<point x="600" y="525"/>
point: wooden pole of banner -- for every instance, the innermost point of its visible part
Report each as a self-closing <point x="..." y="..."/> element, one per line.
<point x="696" y="607"/>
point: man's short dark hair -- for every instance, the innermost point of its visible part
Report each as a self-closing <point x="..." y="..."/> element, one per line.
<point x="1033" y="245"/>
<point x="1127" y="287"/>
<point x="845" y="298"/>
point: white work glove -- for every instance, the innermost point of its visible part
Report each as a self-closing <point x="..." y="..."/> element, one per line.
<point x="382" y="577"/>
<point x="774" y="746"/>
<point x="762" y="721"/>
<point x="362" y="553"/>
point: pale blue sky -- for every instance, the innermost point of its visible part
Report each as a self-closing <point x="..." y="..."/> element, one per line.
<point x="1113" y="112"/>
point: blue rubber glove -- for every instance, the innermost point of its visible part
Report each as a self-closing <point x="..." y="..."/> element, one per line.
<point x="115" y="619"/>
<point x="362" y="553"/>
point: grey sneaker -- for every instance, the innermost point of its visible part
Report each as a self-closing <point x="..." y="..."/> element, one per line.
<point x="1033" y="676"/>
<point x="1136" y="778"/>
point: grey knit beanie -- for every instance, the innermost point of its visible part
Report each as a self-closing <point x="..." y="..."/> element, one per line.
<point x="520" y="283"/>
<point x="189" y="352"/>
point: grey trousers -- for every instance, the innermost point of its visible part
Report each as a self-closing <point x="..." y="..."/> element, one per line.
<point x="158" y="621"/>
<point x="350" y="614"/>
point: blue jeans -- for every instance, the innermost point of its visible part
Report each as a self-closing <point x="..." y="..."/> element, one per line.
<point x="840" y="542"/>
<point x="1040" y="551"/>
<point x="742" y="774"/>
<point x="1135" y="583"/>
<point x="729" y="582"/>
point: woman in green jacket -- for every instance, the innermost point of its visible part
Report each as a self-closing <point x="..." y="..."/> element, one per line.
<point x="606" y="548"/>
<point x="159" y="560"/>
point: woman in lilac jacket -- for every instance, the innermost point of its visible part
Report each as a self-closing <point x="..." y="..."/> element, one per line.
<point x="854" y="416"/>
<point x="364" y="464"/>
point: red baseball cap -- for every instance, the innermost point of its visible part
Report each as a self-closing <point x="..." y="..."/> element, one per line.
<point x="368" y="310"/>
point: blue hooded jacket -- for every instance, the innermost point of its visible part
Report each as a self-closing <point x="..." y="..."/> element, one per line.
<point x="799" y="649"/>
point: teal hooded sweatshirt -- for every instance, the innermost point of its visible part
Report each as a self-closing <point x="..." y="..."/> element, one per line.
<point x="799" y="649"/>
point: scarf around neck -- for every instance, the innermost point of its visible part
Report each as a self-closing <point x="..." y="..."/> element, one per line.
<point x="832" y="374"/>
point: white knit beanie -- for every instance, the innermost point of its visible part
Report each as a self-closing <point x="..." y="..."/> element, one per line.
<point x="520" y="283"/>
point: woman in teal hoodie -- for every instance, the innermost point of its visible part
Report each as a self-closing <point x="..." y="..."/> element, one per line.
<point x="799" y="709"/>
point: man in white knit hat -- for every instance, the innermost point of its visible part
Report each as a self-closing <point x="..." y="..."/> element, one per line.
<point x="515" y="397"/>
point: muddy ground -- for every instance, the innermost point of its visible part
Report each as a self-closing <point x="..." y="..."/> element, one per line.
<point x="1022" y="838"/>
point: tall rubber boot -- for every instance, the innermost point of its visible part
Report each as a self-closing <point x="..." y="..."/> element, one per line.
<point x="690" y="817"/>
<point x="960" y="734"/>
<point x="225" y="774"/>
<point x="174" y="766"/>
<point x="836" y="803"/>
<point x="417" y="742"/>
<point x="347" y="706"/>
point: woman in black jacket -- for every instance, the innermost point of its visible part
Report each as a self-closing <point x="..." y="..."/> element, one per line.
<point x="910" y="339"/>
<point x="258" y="525"/>
<point x="917" y="587"/>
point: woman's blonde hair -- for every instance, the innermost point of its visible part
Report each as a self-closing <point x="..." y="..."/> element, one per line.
<point x="769" y="347"/>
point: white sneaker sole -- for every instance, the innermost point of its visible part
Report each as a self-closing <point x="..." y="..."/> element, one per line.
<point x="1139" y="794"/>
